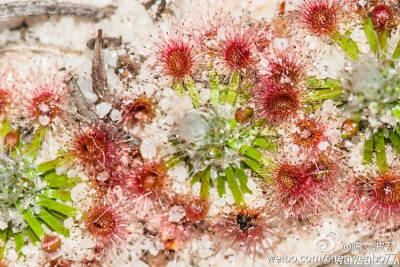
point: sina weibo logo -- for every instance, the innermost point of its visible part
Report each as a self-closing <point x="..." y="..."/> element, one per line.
<point x="326" y="242"/>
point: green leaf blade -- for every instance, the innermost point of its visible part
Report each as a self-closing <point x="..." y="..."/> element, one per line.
<point x="221" y="189"/>
<point x="57" y="206"/>
<point x="368" y="151"/>
<point x="60" y="181"/>
<point x="233" y="186"/>
<point x="242" y="177"/>
<point x="205" y="183"/>
<point x="370" y="34"/>
<point x="33" y="223"/>
<point x="55" y="163"/>
<point x="214" y="86"/>
<point x="53" y="223"/>
<point x="380" y="151"/>
<point x="193" y="92"/>
<point x="348" y="45"/>
<point x="19" y="242"/>
<point x="395" y="139"/>
<point x="233" y="88"/>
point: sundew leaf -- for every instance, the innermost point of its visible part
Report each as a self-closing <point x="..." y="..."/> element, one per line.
<point x="328" y="83"/>
<point x="33" y="223"/>
<point x="396" y="53"/>
<point x="195" y="178"/>
<point x="55" y="163"/>
<point x="233" y="186"/>
<point x="178" y="88"/>
<point x="232" y="124"/>
<point x="370" y="34"/>
<point x="3" y="238"/>
<point x="396" y="112"/>
<point x="60" y="181"/>
<point x="222" y="96"/>
<point x="263" y="143"/>
<point x="57" y="206"/>
<point x="368" y="150"/>
<point x="174" y="160"/>
<point x="380" y="150"/>
<point x="58" y="215"/>
<point x="348" y="45"/>
<point x="395" y="139"/>
<point x="257" y="167"/>
<point x="53" y="223"/>
<point x="214" y="86"/>
<point x="193" y="92"/>
<point x="205" y="183"/>
<point x="221" y="189"/>
<point x="63" y="195"/>
<point x="324" y="94"/>
<point x="233" y="88"/>
<point x="31" y="235"/>
<point x="19" y="242"/>
<point x="5" y="128"/>
<point x="382" y="37"/>
<point x="32" y="149"/>
<point x="251" y="152"/>
<point x="242" y="177"/>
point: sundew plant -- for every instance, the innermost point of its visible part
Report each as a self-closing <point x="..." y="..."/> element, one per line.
<point x="33" y="196"/>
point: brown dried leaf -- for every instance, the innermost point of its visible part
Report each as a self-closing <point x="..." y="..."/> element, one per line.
<point x="99" y="76"/>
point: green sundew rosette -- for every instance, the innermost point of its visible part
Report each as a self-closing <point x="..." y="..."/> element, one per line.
<point x="218" y="150"/>
<point x="37" y="197"/>
<point x="370" y="92"/>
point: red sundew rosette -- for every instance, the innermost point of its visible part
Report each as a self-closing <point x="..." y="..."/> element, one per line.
<point x="236" y="51"/>
<point x="107" y="220"/>
<point x="377" y="197"/>
<point x="146" y="186"/>
<point x="174" y="229"/>
<point x="302" y="190"/>
<point x="101" y="149"/>
<point x="47" y="100"/>
<point x="356" y="195"/>
<point x="10" y="97"/>
<point x="140" y="110"/>
<point x="177" y="53"/>
<point x="321" y="18"/>
<point x="246" y="230"/>
<point x="177" y="58"/>
<point x="271" y="100"/>
<point x="310" y="135"/>
<point x="286" y="66"/>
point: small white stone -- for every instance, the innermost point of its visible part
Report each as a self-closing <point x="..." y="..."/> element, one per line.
<point x="323" y="145"/>
<point x="180" y="172"/>
<point x="103" y="109"/>
<point x="3" y="225"/>
<point x="176" y="213"/>
<point x="68" y="223"/>
<point x="148" y="148"/>
<point x="90" y="97"/>
<point x="115" y="115"/>
<point x="79" y="192"/>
